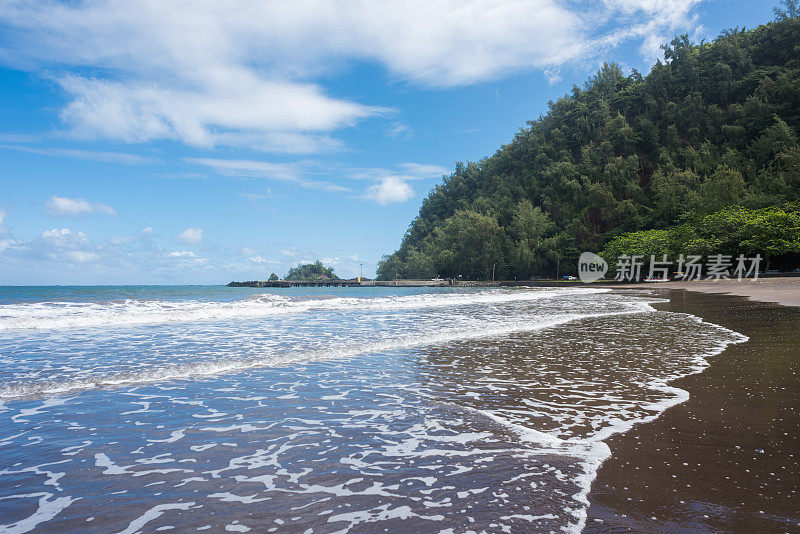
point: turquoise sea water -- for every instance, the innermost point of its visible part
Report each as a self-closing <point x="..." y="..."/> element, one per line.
<point x="145" y="408"/>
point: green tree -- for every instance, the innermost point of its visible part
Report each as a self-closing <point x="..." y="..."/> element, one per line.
<point x="723" y="188"/>
<point x="311" y="271"/>
<point x="468" y="244"/>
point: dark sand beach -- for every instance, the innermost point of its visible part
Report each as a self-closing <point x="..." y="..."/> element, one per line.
<point x="784" y="290"/>
<point x="727" y="459"/>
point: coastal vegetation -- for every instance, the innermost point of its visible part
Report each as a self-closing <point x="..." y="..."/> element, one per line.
<point x="702" y="155"/>
<point x="770" y="232"/>
<point x="311" y="271"/>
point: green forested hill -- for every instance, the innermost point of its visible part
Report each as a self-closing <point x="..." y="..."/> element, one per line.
<point x="311" y="271"/>
<point x="713" y="125"/>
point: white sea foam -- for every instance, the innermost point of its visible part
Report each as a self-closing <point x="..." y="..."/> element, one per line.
<point x="204" y="369"/>
<point x="47" y="509"/>
<point x="70" y="315"/>
<point x="154" y="513"/>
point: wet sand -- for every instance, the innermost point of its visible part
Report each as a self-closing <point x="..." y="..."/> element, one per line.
<point x="727" y="459"/>
<point x="783" y="290"/>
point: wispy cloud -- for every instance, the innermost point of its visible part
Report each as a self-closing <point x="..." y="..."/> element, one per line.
<point x="404" y="171"/>
<point x="309" y="174"/>
<point x="422" y="171"/>
<point x="91" y="155"/>
<point x="191" y="235"/>
<point x="285" y="172"/>
<point x="650" y="22"/>
<point x="399" y="130"/>
<point x="76" y="207"/>
<point x="19" y="138"/>
<point x="267" y="193"/>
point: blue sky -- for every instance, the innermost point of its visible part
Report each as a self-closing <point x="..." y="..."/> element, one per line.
<point x="203" y="142"/>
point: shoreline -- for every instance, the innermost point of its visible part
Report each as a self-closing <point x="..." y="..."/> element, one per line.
<point x="783" y="290"/>
<point x="724" y="459"/>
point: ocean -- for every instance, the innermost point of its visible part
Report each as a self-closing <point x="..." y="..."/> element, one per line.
<point x="322" y="410"/>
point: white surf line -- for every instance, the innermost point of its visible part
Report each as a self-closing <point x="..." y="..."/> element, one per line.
<point x="60" y="315"/>
<point x="207" y="369"/>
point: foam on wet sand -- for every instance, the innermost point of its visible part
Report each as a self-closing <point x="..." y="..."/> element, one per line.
<point x="487" y="409"/>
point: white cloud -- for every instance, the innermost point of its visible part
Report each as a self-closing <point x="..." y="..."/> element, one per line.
<point x="181" y="254"/>
<point x="62" y="245"/>
<point x="76" y="207"/>
<point x="6" y="243"/>
<point x="242" y="109"/>
<point x="147" y="230"/>
<point x="239" y="72"/>
<point x="652" y="22"/>
<point x="191" y="235"/>
<point x="2" y="215"/>
<point x="390" y="189"/>
<point x="393" y="186"/>
<point x="81" y="256"/>
<point x="56" y="233"/>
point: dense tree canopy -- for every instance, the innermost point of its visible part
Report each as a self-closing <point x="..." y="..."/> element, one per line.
<point x="311" y="271"/>
<point x="769" y="232"/>
<point x="713" y="125"/>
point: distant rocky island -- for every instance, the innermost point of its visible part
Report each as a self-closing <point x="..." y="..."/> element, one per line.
<point x="309" y="273"/>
